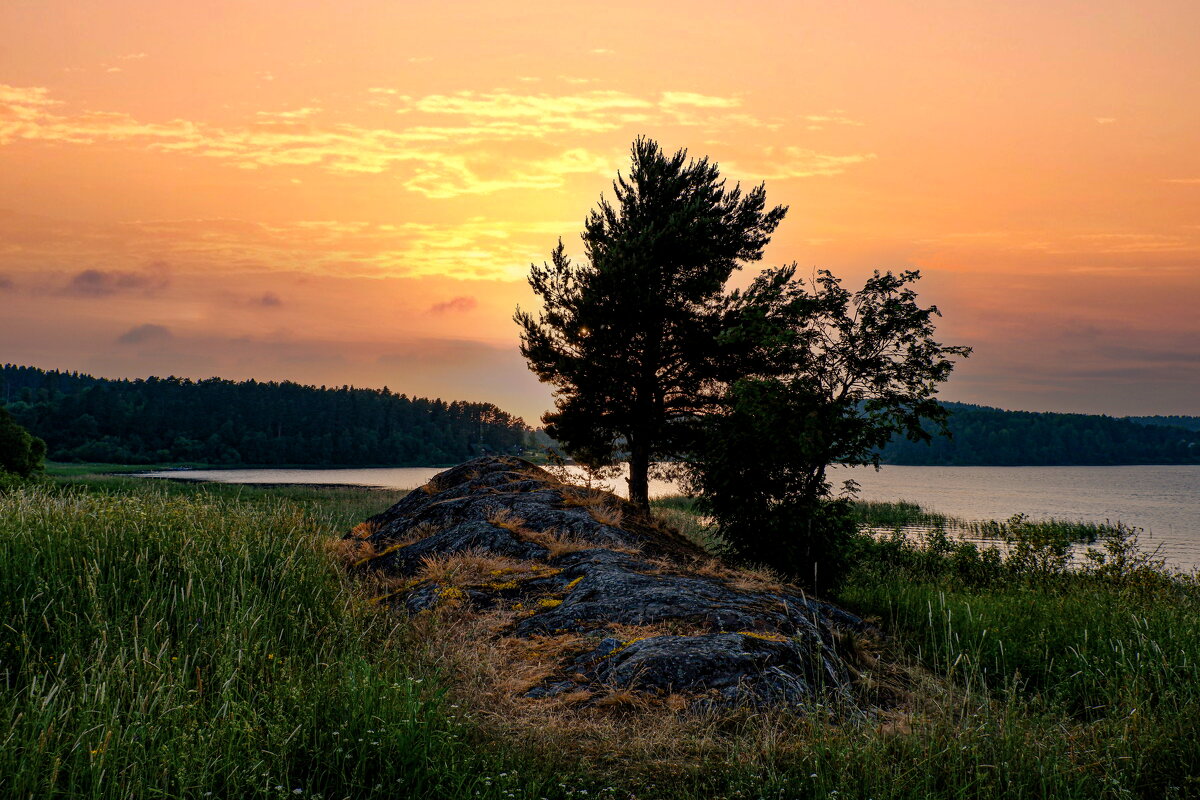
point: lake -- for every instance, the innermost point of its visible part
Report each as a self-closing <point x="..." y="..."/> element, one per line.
<point x="1163" y="500"/>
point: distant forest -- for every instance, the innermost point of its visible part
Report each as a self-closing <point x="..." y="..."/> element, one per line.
<point x="214" y="421"/>
<point x="985" y="436"/>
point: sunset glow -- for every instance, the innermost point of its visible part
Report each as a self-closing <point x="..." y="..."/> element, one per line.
<point x="352" y="193"/>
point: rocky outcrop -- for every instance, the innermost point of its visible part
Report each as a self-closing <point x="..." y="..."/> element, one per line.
<point x="638" y="607"/>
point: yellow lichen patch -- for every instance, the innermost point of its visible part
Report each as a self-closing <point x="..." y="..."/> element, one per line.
<point x="573" y="584"/>
<point x="450" y="595"/>
<point x="767" y="637"/>
<point x="500" y="586"/>
<point x="626" y="644"/>
<point x="549" y="602"/>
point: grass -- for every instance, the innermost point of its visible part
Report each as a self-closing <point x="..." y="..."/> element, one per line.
<point x="162" y="640"/>
<point x="898" y="514"/>
<point x="174" y="640"/>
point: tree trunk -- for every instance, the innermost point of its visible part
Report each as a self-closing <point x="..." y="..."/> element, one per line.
<point x="639" y="468"/>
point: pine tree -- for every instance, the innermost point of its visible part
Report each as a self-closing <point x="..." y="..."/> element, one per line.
<point x="629" y="336"/>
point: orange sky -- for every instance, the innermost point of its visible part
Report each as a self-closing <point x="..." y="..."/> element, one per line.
<point x="352" y="192"/>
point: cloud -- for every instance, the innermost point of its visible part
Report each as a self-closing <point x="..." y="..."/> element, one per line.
<point x="6" y="283"/>
<point x="446" y="150"/>
<point x="1105" y="120"/>
<point x="477" y="248"/>
<point x="601" y="51"/>
<point x="598" y="110"/>
<point x="267" y="300"/>
<point x="148" y="333"/>
<point x="458" y="304"/>
<point x="781" y="163"/>
<point x="288" y="116"/>
<point x="100" y="283"/>
<point x="672" y="99"/>
<point x="132" y="56"/>
<point x="1182" y="180"/>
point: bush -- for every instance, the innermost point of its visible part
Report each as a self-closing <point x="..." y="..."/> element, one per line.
<point x="20" y="453"/>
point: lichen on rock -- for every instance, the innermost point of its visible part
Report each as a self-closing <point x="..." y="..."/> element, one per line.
<point x="695" y="635"/>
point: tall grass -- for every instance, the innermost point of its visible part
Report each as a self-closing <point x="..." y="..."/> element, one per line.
<point x="167" y="642"/>
<point x="898" y="514"/>
<point x="171" y="640"/>
<point x="1111" y="651"/>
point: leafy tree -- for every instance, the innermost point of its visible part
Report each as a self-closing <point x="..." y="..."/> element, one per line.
<point x="20" y="453"/>
<point x="847" y="372"/>
<point x="630" y="337"/>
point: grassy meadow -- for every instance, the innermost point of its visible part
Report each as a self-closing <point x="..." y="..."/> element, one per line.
<point x="169" y="640"/>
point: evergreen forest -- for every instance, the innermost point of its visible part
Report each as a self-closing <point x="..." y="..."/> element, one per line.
<point x="983" y="436"/>
<point x="222" y="422"/>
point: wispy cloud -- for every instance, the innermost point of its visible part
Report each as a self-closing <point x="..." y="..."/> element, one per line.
<point x="478" y="248"/>
<point x="458" y="304"/>
<point x="101" y="283"/>
<point x="266" y="300"/>
<point x="145" y="334"/>
<point x="441" y="160"/>
<point x="288" y="116"/>
<point x="782" y="163"/>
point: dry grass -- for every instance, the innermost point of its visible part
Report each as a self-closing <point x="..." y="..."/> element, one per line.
<point x="477" y="567"/>
<point x="364" y="530"/>
<point x="607" y="515"/>
<point x="359" y="552"/>
<point x="581" y="497"/>
<point x="611" y="728"/>
<point x="744" y="580"/>
<point x="504" y="518"/>
<point x="559" y="543"/>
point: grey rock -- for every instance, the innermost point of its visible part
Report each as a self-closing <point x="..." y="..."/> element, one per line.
<point x="743" y="647"/>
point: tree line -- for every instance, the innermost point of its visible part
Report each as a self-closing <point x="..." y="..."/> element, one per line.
<point x="982" y="436"/>
<point x="223" y="422"/>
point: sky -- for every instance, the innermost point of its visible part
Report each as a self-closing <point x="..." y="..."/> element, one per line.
<point x="352" y="192"/>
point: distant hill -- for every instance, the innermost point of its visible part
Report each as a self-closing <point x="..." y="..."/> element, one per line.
<point x="1188" y="423"/>
<point x="215" y="421"/>
<point x="983" y="436"/>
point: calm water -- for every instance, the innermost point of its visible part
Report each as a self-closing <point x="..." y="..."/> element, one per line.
<point x="1165" y="501"/>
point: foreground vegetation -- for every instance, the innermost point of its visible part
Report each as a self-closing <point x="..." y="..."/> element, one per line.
<point x="172" y="640"/>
